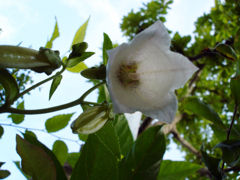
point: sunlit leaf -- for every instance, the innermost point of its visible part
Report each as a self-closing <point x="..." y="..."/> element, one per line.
<point x="30" y="133"/>
<point x="107" y="45"/>
<point x="72" y="62"/>
<point x="18" y="118"/>
<point x="78" y="68"/>
<point x="80" y="34"/>
<point x="55" y="83"/>
<point x="176" y="170"/>
<point x="57" y="122"/>
<point x="95" y="161"/>
<point x="35" y="162"/>
<point x="55" y="34"/>
<point x="83" y="137"/>
<point x="60" y="149"/>
<point x="143" y="160"/>
<point x="73" y="158"/>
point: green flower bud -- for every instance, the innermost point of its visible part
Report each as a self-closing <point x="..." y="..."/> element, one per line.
<point x="95" y="72"/>
<point x="92" y="119"/>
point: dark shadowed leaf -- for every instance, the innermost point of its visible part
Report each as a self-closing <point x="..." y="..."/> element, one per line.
<point x="230" y="151"/>
<point x="59" y="169"/>
<point x="213" y="165"/>
<point x="55" y="34"/>
<point x="60" y="150"/>
<point x="107" y="45"/>
<point x="72" y="158"/>
<point x="30" y="133"/>
<point x="221" y="134"/>
<point x="3" y="173"/>
<point x="58" y="122"/>
<point x="55" y="83"/>
<point x="35" y="162"/>
<point x="95" y="162"/>
<point x="175" y="170"/>
<point x="17" y="163"/>
<point x="1" y="131"/>
<point x="202" y="109"/>
<point x="235" y="86"/>
<point x="237" y="41"/>
<point x="124" y="133"/>
<point x="225" y="51"/>
<point x="18" y="118"/>
<point x="76" y="60"/>
<point x="143" y="160"/>
<point x="107" y="135"/>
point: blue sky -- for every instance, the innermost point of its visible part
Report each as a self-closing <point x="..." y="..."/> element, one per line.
<point x="32" y="23"/>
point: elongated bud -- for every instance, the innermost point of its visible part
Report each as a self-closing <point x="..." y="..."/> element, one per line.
<point x="44" y="60"/>
<point x="95" y="72"/>
<point x="92" y="119"/>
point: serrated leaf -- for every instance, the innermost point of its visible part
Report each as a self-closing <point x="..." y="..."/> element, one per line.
<point x="57" y="122"/>
<point x="175" y="170"/>
<point x="107" y="135"/>
<point x="1" y="131"/>
<point x="83" y="137"/>
<point x="18" y="118"/>
<point x="124" y="133"/>
<point x="55" y="34"/>
<point x="80" y="34"/>
<point x="202" y="109"/>
<point x="107" y="45"/>
<point x="17" y="163"/>
<point x="30" y="133"/>
<point x="73" y="158"/>
<point x="10" y="85"/>
<point x="237" y="41"/>
<point x="230" y="151"/>
<point x="59" y="169"/>
<point x="55" y="83"/>
<point x="95" y="162"/>
<point x="143" y="160"/>
<point x="213" y="165"/>
<point x="72" y="62"/>
<point x="35" y="162"/>
<point x="60" y="149"/>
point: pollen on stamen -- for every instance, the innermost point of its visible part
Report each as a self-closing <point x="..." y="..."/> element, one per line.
<point x="127" y="74"/>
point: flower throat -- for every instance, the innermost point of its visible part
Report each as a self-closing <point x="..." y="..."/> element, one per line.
<point x="127" y="74"/>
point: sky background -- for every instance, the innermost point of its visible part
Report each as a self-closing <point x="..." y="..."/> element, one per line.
<point x="32" y="23"/>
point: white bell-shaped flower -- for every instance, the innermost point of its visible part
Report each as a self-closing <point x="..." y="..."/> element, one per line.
<point x="143" y="75"/>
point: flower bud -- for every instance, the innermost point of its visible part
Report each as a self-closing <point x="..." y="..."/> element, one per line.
<point x="95" y="72"/>
<point x="92" y="119"/>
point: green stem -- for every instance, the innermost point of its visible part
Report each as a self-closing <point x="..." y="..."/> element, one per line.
<point x="40" y="83"/>
<point x="55" y="108"/>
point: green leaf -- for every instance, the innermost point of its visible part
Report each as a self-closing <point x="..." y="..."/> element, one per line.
<point x="124" y="133"/>
<point x="73" y="158"/>
<point x="143" y="160"/>
<point x="59" y="169"/>
<point x="18" y="118"/>
<point x="175" y="170"/>
<point x="80" y="34"/>
<point x="107" y="135"/>
<point x="60" y="149"/>
<point x="95" y="162"/>
<point x="237" y="41"/>
<point x="57" y="122"/>
<point x="1" y="131"/>
<point x="107" y="45"/>
<point x="55" y="83"/>
<point x="78" y="68"/>
<point x="230" y="151"/>
<point x="3" y="173"/>
<point x="10" y="86"/>
<point x="83" y="137"/>
<point x="225" y="51"/>
<point x="103" y="94"/>
<point x="17" y="163"/>
<point x="55" y="34"/>
<point x="202" y="109"/>
<point x="35" y="162"/>
<point x="30" y="133"/>
<point x="235" y="86"/>
<point x="221" y="134"/>
<point x="72" y="62"/>
<point x="213" y="165"/>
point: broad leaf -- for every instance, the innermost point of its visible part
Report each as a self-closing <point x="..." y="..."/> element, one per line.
<point x="124" y="133"/>
<point x="78" y="68"/>
<point x="59" y="169"/>
<point x="95" y="162"/>
<point x="225" y="51"/>
<point x="60" y="150"/>
<point x="107" y="45"/>
<point x="80" y="34"/>
<point x="237" y="41"/>
<point x="107" y="135"/>
<point x="83" y="137"/>
<point x="30" y="133"/>
<point x="35" y="162"/>
<point x="57" y="122"/>
<point x="230" y="151"/>
<point x="175" y="170"/>
<point x="18" y="118"/>
<point x="17" y="163"/>
<point x="1" y="131"/>
<point x="221" y="134"/>
<point x="235" y="86"/>
<point x="73" y="158"/>
<point x="55" y="34"/>
<point x="200" y="108"/>
<point x="213" y="165"/>
<point x="72" y="62"/>
<point x="3" y="173"/>
<point x="55" y="83"/>
<point x="143" y="160"/>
